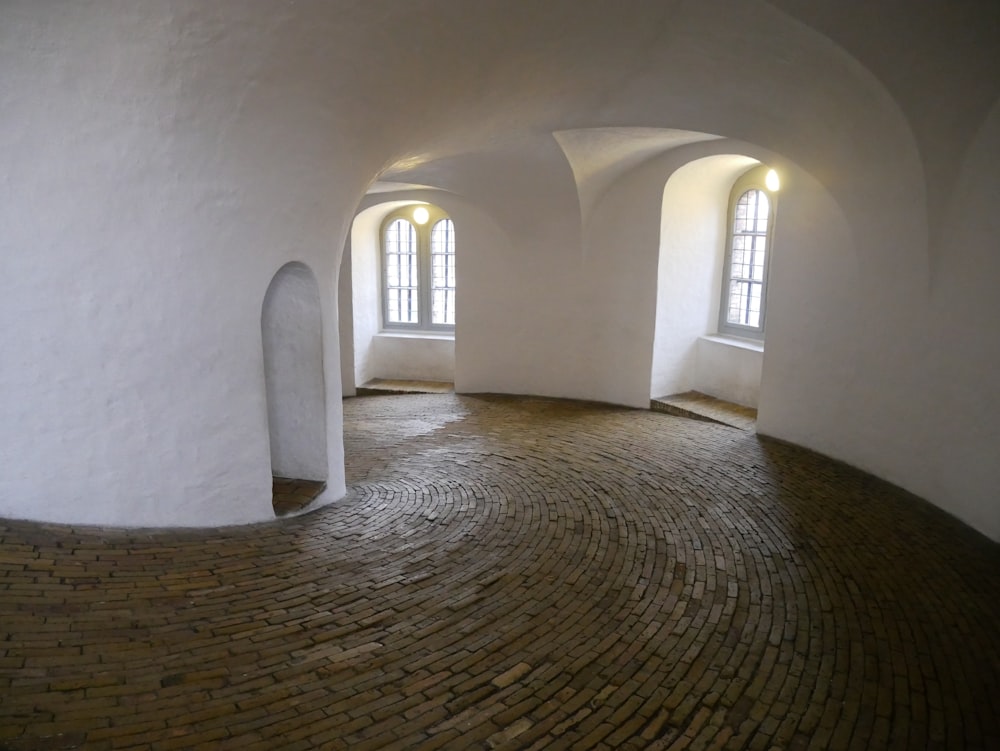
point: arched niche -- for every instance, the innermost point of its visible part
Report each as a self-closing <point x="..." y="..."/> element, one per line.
<point x="378" y="353"/>
<point x="291" y="331"/>
<point x="812" y="298"/>
<point x="692" y="235"/>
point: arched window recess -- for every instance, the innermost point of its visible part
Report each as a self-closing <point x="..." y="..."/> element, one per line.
<point x="418" y="270"/>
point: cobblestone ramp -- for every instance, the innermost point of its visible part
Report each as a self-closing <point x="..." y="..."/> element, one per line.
<point x="518" y="574"/>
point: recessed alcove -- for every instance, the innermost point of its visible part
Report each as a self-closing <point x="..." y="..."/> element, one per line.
<point x="291" y="496"/>
<point x="292" y="337"/>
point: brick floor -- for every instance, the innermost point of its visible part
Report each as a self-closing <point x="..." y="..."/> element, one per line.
<point x="518" y="574"/>
<point x="700" y="406"/>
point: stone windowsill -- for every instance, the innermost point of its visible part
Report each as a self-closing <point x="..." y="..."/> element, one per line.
<point x="432" y="335"/>
<point x="734" y="341"/>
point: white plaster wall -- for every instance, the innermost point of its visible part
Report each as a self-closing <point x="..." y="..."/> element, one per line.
<point x="418" y="358"/>
<point x="961" y="363"/>
<point x="146" y="202"/>
<point x="364" y="302"/>
<point x="816" y="327"/>
<point x="728" y="370"/>
<point x="292" y="336"/>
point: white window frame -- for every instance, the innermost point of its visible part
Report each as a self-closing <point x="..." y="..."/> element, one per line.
<point x="752" y="180"/>
<point x="425" y="270"/>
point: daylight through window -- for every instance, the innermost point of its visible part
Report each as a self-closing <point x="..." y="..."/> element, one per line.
<point x="744" y="286"/>
<point x="418" y="270"/>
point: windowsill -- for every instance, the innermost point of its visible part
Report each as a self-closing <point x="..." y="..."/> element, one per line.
<point x="444" y="336"/>
<point x="734" y="341"/>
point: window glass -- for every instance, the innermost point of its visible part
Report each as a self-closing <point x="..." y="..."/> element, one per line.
<point x="418" y="269"/>
<point x="401" y="273"/>
<point x="443" y="273"/>
<point x="747" y="259"/>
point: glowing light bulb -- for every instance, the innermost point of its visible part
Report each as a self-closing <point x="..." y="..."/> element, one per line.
<point x="421" y="215"/>
<point x="772" y="181"/>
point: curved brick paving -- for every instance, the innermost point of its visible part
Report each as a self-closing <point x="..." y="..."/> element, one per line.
<point x="519" y="573"/>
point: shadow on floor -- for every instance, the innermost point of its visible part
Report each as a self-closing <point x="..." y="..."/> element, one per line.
<point x="291" y="496"/>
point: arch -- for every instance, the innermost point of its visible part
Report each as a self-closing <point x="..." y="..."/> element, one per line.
<point x="380" y="351"/>
<point x="292" y="337"/>
<point x="693" y="219"/>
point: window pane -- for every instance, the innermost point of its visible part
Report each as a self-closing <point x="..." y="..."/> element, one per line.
<point x="443" y="273"/>
<point x="753" y="310"/>
<point x="763" y="208"/>
<point x="444" y="306"/>
<point x="742" y="207"/>
<point x="746" y="260"/>
<point x="392" y="270"/>
<point x="736" y="302"/>
<point x="401" y="273"/>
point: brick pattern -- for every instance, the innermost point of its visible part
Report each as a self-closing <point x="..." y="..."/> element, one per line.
<point x="518" y="574"/>
<point x="384" y="386"/>
<point x="698" y="406"/>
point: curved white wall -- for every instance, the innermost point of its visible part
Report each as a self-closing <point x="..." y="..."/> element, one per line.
<point x="148" y="195"/>
<point x="959" y="358"/>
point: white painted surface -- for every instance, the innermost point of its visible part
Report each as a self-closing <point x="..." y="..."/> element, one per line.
<point x="146" y="201"/>
<point x="291" y="331"/>
<point x="363" y="302"/>
<point x="159" y="161"/>
<point x="960" y="365"/>
<point x="600" y="156"/>
<point x="729" y="370"/>
<point x="413" y="357"/>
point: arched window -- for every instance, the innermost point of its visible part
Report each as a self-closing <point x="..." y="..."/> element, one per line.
<point x="418" y="269"/>
<point x="748" y="249"/>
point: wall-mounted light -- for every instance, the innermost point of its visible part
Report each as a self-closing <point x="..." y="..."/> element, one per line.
<point x="421" y="215"/>
<point x="772" y="181"/>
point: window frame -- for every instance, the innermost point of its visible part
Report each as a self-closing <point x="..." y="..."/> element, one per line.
<point x="425" y="270"/>
<point x="754" y="179"/>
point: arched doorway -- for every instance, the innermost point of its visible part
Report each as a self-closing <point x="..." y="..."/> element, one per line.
<point x="292" y="335"/>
